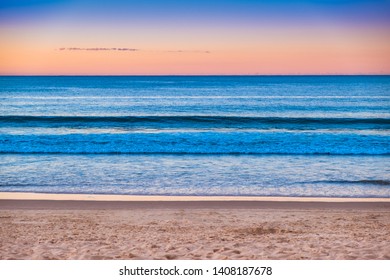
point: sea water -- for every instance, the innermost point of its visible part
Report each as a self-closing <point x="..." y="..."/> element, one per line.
<point x="196" y="135"/>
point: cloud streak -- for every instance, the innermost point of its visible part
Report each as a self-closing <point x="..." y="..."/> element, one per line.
<point x="187" y="51"/>
<point x="99" y="49"/>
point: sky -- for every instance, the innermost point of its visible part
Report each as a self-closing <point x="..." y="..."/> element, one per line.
<point x="203" y="37"/>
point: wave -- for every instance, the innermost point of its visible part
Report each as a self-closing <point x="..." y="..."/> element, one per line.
<point x="198" y="143"/>
<point x="188" y="153"/>
<point x="358" y="182"/>
<point x="193" y="121"/>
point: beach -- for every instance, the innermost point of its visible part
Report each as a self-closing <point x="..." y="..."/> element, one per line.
<point x="38" y="226"/>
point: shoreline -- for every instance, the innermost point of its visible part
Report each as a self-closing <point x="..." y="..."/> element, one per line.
<point x="42" y="201"/>
<point x="147" y="198"/>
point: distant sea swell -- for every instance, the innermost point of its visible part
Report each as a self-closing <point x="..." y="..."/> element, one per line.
<point x="196" y="121"/>
<point x="194" y="135"/>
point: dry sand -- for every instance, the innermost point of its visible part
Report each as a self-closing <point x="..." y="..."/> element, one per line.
<point x="50" y="229"/>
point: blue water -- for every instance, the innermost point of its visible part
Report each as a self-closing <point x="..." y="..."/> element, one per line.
<point x="186" y="135"/>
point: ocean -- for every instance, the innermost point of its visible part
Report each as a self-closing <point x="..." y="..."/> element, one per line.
<point x="326" y="136"/>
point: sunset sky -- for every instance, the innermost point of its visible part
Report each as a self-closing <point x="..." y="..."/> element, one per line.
<point x="118" y="37"/>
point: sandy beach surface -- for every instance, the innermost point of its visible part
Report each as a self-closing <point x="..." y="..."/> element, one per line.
<point x="45" y="228"/>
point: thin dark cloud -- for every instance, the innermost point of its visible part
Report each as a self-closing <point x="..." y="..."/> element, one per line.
<point x="188" y="51"/>
<point x="95" y="49"/>
<point x="99" y="49"/>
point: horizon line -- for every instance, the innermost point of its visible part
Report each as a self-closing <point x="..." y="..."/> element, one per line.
<point x="186" y="75"/>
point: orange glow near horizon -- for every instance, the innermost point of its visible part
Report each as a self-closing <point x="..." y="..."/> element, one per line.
<point x="298" y="57"/>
